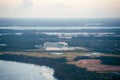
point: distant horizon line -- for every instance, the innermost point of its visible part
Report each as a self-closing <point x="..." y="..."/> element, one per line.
<point x="59" y="18"/>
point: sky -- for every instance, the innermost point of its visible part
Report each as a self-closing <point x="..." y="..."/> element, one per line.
<point x="59" y="8"/>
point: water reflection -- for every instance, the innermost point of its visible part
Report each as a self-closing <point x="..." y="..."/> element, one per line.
<point x="22" y="71"/>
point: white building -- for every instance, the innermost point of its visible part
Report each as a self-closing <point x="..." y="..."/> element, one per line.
<point x="56" y="46"/>
<point x="60" y="46"/>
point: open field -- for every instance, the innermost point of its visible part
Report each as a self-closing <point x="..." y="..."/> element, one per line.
<point x="70" y="57"/>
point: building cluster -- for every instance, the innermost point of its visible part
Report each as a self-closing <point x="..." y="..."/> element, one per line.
<point x="50" y="46"/>
<point x="60" y="46"/>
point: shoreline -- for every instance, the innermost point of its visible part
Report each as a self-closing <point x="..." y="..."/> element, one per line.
<point x="58" y="62"/>
<point x="69" y="56"/>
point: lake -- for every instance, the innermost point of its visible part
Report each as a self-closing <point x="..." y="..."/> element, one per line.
<point x="21" y="71"/>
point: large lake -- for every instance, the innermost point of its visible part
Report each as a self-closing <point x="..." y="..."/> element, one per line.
<point x="21" y="71"/>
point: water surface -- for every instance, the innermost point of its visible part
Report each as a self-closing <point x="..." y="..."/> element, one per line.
<point x="21" y="71"/>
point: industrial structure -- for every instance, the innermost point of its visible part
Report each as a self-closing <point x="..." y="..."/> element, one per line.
<point x="60" y="46"/>
<point x="57" y="46"/>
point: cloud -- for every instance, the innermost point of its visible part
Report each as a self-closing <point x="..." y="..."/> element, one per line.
<point x="10" y="3"/>
<point x="26" y="3"/>
<point x="60" y="5"/>
<point x="59" y="8"/>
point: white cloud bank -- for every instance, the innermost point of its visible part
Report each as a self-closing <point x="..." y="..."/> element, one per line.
<point x="60" y="8"/>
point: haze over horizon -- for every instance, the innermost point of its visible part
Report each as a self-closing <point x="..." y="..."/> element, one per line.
<point x="59" y="9"/>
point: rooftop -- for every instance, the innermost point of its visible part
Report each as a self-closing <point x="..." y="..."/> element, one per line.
<point x="55" y="44"/>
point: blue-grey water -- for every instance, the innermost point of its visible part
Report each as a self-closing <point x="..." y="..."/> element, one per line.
<point x="60" y="22"/>
<point x="21" y="71"/>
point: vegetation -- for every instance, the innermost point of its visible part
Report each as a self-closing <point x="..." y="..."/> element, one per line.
<point x="105" y="44"/>
<point x="63" y="71"/>
<point x="108" y="60"/>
